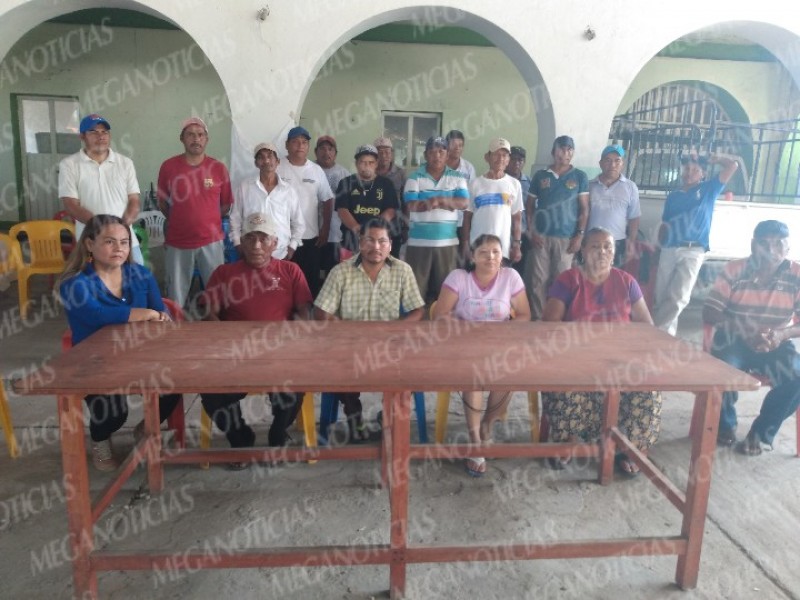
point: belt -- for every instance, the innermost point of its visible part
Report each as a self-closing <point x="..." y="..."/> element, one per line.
<point x="691" y="245"/>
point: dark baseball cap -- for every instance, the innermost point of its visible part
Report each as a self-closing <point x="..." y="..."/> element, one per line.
<point x="297" y="132"/>
<point x="518" y="151"/>
<point x="435" y="141"/>
<point x="563" y="140"/>
<point x="771" y="228"/>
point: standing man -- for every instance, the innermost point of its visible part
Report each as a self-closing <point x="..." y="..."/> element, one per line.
<point x="96" y="181"/>
<point x="683" y="235"/>
<point x="326" y="153"/>
<point x="387" y="168"/>
<point x="495" y="205"/>
<point x="194" y="192"/>
<point x="515" y="168"/>
<point x="309" y="181"/>
<point x="269" y="194"/>
<point x="558" y="207"/>
<point x="370" y="286"/>
<point x="364" y="196"/>
<point x="754" y="305"/>
<point x="433" y="195"/>
<point x="257" y="287"/>
<point x="455" y="148"/>
<point x="614" y="203"/>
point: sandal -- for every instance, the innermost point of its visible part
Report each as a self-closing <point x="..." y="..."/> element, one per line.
<point x="625" y="466"/>
<point x="726" y="437"/>
<point x="558" y="463"/>
<point x="750" y="446"/>
<point x="476" y="467"/>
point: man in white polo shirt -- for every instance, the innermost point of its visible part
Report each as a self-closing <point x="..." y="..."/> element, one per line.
<point x="98" y="181"/>
<point x="269" y="194"/>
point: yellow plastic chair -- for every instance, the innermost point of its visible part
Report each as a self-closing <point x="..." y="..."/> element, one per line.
<point x="305" y="421"/>
<point x="46" y="257"/>
<point x="8" y="427"/>
<point x="443" y="406"/>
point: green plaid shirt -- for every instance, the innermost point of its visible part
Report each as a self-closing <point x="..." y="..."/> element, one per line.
<point x="351" y="295"/>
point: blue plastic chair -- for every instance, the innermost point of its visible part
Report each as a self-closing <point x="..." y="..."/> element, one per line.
<point x="231" y="255"/>
<point x="329" y="414"/>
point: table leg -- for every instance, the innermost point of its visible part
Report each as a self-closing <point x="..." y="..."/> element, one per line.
<point x="700" y="470"/>
<point x="79" y="504"/>
<point x="607" y="446"/>
<point x="398" y="492"/>
<point x="387" y="427"/>
<point x="152" y="430"/>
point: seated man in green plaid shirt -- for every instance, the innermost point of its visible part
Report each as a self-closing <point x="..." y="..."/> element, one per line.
<point x="370" y="286"/>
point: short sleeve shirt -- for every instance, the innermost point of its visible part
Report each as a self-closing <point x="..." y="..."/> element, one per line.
<point x="556" y="212"/>
<point x="492" y="203"/>
<point x="688" y="213"/>
<point x="366" y="203"/>
<point x="311" y="185"/>
<point x="611" y="300"/>
<point x="613" y="206"/>
<point x="492" y="303"/>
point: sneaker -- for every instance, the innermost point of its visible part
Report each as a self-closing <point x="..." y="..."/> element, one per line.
<point x="102" y="458"/>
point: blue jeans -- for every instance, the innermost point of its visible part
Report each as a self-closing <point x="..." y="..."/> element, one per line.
<point x="781" y="365"/>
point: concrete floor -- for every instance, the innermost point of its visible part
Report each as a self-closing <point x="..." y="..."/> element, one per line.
<point x="750" y="548"/>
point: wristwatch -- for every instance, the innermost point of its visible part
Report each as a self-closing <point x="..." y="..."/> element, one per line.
<point x="516" y="241"/>
<point x="578" y="232"/>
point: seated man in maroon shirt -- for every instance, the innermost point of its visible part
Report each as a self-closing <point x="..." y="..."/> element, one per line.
<point x="257" y="287"/>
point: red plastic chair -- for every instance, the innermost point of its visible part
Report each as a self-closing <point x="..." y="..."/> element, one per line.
<point x="708" y="339"/>
<point x="177" y="420"/>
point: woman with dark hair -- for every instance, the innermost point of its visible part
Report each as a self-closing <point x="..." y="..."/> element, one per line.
<point x="485" y="291"/>
<point x="102" y="286"/>
<point x="596" y="291"/>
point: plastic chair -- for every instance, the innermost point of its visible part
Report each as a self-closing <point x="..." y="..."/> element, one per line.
<point x="66" y="247"/>
<point x="8" y="427"/>
<point x="329" y="414"/>
<point x="144" y="243"/>
<point x="231" y="254"/>
<point x="708" y="341"/>
<point x="46" y="256"/>
<point x="153" y="222"/>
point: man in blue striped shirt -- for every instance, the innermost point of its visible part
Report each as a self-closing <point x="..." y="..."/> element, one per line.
<point x="433" y="195"/>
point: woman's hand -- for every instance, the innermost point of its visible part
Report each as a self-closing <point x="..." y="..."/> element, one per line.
<point x="148" y="314"/>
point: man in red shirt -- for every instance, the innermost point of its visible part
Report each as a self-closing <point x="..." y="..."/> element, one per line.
<point x="194" y="192"/>
<point x="257" y="287"/>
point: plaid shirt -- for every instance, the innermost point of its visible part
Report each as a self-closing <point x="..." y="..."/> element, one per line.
<point x="351" y="295"/>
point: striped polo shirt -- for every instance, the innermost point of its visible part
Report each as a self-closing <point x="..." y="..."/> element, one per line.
<point x="434" y="228"/>
<point x="740" y="295"/>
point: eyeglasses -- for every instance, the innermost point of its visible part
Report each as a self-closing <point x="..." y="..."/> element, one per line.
<point x="373" y="242"/>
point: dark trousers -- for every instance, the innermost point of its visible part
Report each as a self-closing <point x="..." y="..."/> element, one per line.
<point x="226" y="412"/>
<point x="108" y="413"/>
<point x="781" y="365"/>
<point x="308" y="258"/>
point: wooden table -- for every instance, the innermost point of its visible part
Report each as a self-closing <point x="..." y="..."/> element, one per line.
<point x="392" y="358"/>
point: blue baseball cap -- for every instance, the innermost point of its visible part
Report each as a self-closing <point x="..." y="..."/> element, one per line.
<point x="89" y="121"/>
<point x="297" y="132"/>
<point x="613" y="148"/>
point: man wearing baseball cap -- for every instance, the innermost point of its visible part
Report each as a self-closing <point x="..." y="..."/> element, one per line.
<point x="326" y="152"/>
<point x="258" y="287"/>
<point x="309" y="181"/>
<point x="683" y="234"/>
<point x="495" y="205"/>
<point x="268" y="193"/>
<point x="397" y="175"/>
<point x="96" y="180"/>
<point x="754" y="307"/>
<point x="194" y="192"/>
<point x="433" y="196"/>
<point x="558" y="208"/>
<point x="364" y="196"/>
<point x="614" y="202"/>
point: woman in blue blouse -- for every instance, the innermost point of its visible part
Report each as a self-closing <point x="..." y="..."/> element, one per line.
<point x="102" y="286"/>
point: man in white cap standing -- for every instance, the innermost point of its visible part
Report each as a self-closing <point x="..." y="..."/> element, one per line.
<point x="194" y="192"/>
<point x="397" y="175"/>
<point x="269" y="194"/>
<point x="96" y="181"/>
<point x="495" y="204"/>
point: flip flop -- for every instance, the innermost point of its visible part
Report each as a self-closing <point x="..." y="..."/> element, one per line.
<point x="750" y="446"/>
<point x="626" y="467"/>
<point x="479" y="467"/>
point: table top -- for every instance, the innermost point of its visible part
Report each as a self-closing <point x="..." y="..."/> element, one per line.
<point x="381" y="356"/>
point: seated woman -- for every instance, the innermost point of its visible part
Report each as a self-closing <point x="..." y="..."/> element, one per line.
<point x="596" y="291"/>
<point x="102" y="286"/>
<point x="485" y="291"/>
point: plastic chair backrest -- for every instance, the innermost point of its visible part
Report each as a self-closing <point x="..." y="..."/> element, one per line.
<point x="44" y="241"/>
<point x="175" y="310"/>
<point x="153" y="221"/>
